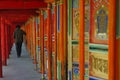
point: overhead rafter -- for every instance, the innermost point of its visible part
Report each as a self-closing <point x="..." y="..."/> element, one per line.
<point x="18" y="12"/>
<point x="50" y="1"/>
<point x="22" y="4"/>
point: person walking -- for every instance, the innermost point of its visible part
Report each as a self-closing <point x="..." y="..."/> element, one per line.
<point x="18" y="36"/>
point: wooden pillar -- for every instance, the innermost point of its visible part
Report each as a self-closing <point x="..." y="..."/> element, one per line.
<point x="62" y="53"/>
<point x="81" y="40"/>
<point x="6" y="40"/>
<point x="49" y="42"/>
<point x="55" y="43"/>
<point x="34" y="40"/>
<point x="4" y="59"/>
<point x="42" y="40"/>
<point x="1" y="75"/>
<point x="9" y="45"/>
<point x="111" y="38"/>
<point x="65" y="38"/>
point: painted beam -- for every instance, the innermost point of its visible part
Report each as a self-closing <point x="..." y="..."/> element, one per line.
<point x="22" y="4"/>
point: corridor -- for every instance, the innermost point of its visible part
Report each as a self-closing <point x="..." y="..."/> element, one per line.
<point x="65" y="39"/>
<point x="20" y="68"/>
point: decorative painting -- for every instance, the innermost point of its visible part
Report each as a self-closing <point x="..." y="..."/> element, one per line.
<point x="98" y="65"/>
<point x="75" y="28"/>
<point x="86" y="46"/>
<point x="86" y="53"/>
<point x="75" y="64"/>
<point x="75" y="52"/>
<point x="87" y="2"/>
<point x="76" y="71"/>
<point x="87" y="19"/>
<point x="99" y="21"/>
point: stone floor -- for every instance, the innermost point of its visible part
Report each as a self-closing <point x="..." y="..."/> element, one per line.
<point x="20" y="68"/>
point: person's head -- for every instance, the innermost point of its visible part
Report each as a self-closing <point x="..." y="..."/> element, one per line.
<point x="18" y="26"/>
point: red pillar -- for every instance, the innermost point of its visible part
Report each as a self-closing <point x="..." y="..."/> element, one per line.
<point x="42" y="39"/>
<point x="3" y="47"/>
<point x="6" y="40"/>
<point x="81" y="41"/>
<point x="111" y="39"/>
<point x="55" y="44"/>
<point x="0" y="55"/>
<point x="49" y="42"/>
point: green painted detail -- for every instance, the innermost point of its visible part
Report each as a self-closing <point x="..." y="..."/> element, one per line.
<point x="99" y="46"/>
<point x="118" y="20"/>
<point x="69" y="17"/>
<point x="59" y="70"/>
<point x="46" y="38"/>
<point x="86" y="76"/>
<point x="118" y="37"/>
<point x="69" y="54"/>
<point x="69" y="3"/>
<point x="75" y="42"/>
<point x="99" y="51"/>
<point x="86" y="42"/>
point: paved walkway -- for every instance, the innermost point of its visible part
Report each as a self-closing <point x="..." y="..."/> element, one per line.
<point x="20" y="68"/>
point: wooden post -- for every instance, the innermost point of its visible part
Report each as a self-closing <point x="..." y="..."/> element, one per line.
<point x="81" y="40"/>
<point x="55" y="46"/>
<point x="6" y="40"/>
<point x="42" y="40"/>
<point x="34" y="41"/>
<point x="61" y="48"/>
<point x="65" y="38"/>
<point x="1" y="75"/>
<point x="4" y="60"/>
<point x="111" y="38"/>
<point x="49" y="42"/>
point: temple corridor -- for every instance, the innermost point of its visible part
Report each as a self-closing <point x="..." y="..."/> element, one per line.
<point x="64" y="39"/>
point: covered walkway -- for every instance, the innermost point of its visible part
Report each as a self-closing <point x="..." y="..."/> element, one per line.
<point x="65" y="39"/>
<point x="20" y="68"/>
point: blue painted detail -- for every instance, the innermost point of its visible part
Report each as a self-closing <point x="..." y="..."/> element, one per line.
<point x="86" y="65"/>
<point x="75" y="3"/>
<point x="45" y="14"/>
<point x="52" y="10"/>
<point x="36" y="20"/>
<point x="70" y="75"/>
<point x="94" y="78"/>
<point x="58" y="18"/>
<point x="39" y="48"/>
<point x="76" y="71"/>
<point x="46" y="51"/>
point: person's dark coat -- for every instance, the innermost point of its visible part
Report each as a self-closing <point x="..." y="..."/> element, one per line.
<point x="18" y="35"/>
